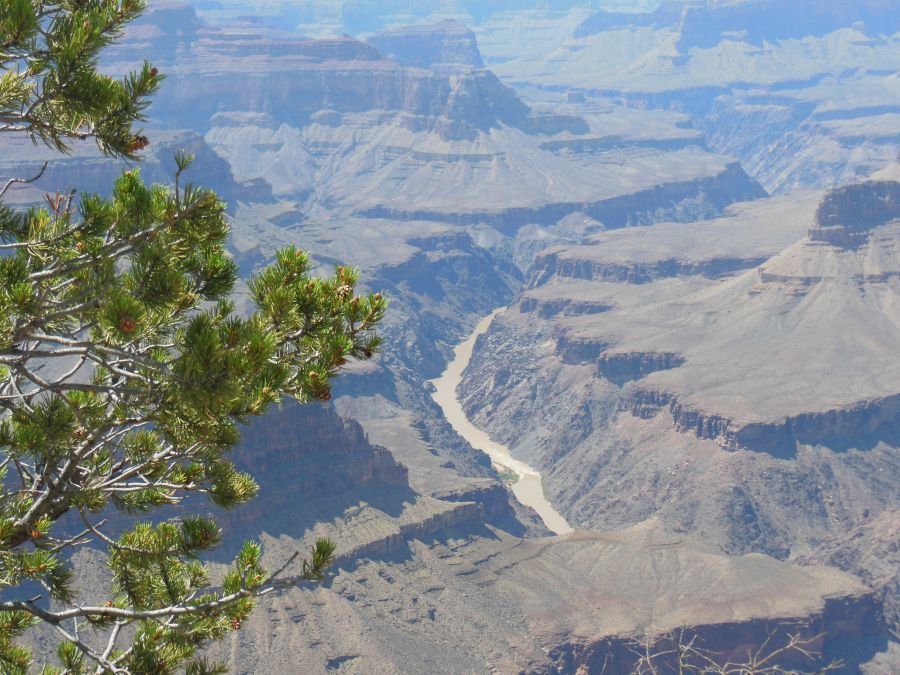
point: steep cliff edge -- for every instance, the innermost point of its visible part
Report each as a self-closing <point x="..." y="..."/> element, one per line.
<point x="847" y="260"/>
<point x="447" y="46"/>
<point x="797" y="89"/>
<point x="746" y="237"/>
<point x="756" y="408"/>
<point x="547" y="606"/>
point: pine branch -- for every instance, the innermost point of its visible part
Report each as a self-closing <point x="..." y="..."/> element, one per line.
<point x="94" y="613"/>
<point x="124" y="371"/>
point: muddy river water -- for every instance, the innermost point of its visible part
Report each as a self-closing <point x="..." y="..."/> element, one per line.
<point x="528" y="489"/>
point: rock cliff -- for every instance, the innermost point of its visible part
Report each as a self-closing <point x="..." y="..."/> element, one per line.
<point x="447" y="46"/>
<point x="756" y="406"/>
<point x="797" y="90"/>
<point x="744" y="239"/>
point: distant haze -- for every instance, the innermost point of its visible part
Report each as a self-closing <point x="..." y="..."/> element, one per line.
<point x="322" y="17"/>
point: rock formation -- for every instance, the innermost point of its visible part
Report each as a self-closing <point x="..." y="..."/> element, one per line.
<point x="797" y="89"/>
<point x="447" y="46"/>
<point x="758" y="407"/>
<point x="692" y="382"/>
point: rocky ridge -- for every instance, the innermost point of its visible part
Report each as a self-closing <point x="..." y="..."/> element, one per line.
<point x="447" y="46"/>
<point x="725" y="405"/>
<point x="797" y="90"/>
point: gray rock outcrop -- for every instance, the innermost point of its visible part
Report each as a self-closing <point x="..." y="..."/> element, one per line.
<point x="447" y="46"/>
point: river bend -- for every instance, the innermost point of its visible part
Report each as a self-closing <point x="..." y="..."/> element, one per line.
<point x="528" y="489"/>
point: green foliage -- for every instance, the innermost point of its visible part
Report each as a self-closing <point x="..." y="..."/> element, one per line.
<point x="508" y="476"/>
<point x="50" y="87"/>
<point x="125" y="371"/>
<point x="13" y="658"/>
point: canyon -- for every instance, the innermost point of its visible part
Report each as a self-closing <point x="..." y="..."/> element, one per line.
<point x="747" y="403"/>
<point x="527" y="485"/>
<point x="692" y="223"/>
<point x="419" y="580"/>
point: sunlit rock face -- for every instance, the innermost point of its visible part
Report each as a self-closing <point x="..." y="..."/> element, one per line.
<point x="800" y="91"/>
<point x="735" y="377"/>
<point x="448" y="46"/>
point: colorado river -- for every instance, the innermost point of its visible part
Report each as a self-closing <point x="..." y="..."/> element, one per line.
<point x="528" y="489"/>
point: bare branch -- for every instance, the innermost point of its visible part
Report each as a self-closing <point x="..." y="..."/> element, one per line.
<point x="14" y="181"/>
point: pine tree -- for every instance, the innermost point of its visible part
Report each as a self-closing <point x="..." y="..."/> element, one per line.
<point x="125" y="371"/>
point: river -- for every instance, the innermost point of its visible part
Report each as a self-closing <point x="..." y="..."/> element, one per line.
<point x="528" y="489"/>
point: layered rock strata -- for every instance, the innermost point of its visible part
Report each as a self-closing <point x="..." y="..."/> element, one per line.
<point x="448" y="46"/>
<point x="757" y="408"/>
<point x="549" y="606"/>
